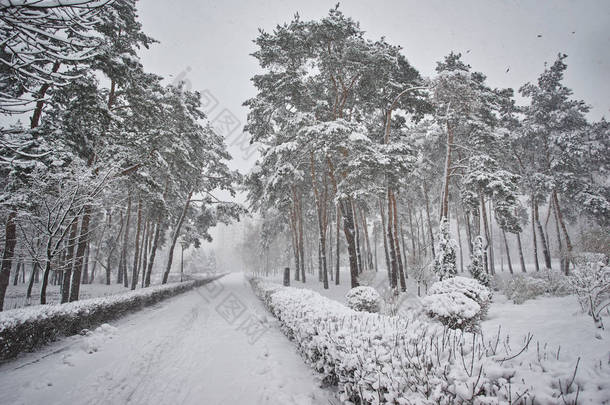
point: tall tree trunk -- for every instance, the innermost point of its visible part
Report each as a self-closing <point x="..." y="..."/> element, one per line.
<point x="487" y="258"/>
<point x="85" y="277"/>
<point x="534" y="239"/>
<point x="47" y="270"/>
<point x="35" y="268"/>
<point x="545" y="247"/>
<point x="338" y="245"/>
<point x="492" y="256"/>
<point x="564" y="229"/>
<point x="17" y="270"/>
<point x="153" y="252"/>
<point x="468" y="230"/>
<point x="170" y="256"/>
<point x="429" y="220"/>
<point x="357" y="228"/>
<point x="301" y="239"/>
<point x="348" y="230"/>
<point x="83" y="240"/>
<point x="146" y="250"/>
<point x="459" y="234"/>
<point x="385" y="239"/>
<point x="401" y="270"/>
<point x="562" y="254"/>
<point x="393" y="262"/>
<point x="521" y="259"/>
<point x="65" y="289"/>
<point x="35" y="120"/>
<point x="510" y="265"/>
<point x="375" y="243"/>
<point x="412" y="234"/>
<point x="136" y="255"/>
<point x="10" y="234"/>
<point x="123" y="265"/>
<point x="445" y="204"/>
<point x="369" y="255"/>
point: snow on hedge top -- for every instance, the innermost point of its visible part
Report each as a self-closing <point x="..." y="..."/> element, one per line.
<point x="451" y="304"/>
<point x="17" y="316"/>
<point x="470" y="287"/>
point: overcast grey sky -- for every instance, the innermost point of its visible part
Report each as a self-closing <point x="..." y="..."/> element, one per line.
<point x="209" y="42"/>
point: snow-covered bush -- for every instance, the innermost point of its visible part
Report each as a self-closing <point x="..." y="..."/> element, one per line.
<point x="25" y="329"/>
<point x="591" y="282"/>
<point x="521" y="287"/>
<point x="458" y="302"/>
<point x="376" y="359"/>
<point x="444" y="261"/>
<point x="363" y="299"/>
<point x="477" y="263"/>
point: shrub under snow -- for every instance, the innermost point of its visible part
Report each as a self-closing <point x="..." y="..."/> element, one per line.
<point x="521" y="287"/>
<point x="376" y="359"/>
<point x="458" y="302"/>
<point x="363" y="298"/>
<point x="591" y="282"/>
<point x="25" y="329"/>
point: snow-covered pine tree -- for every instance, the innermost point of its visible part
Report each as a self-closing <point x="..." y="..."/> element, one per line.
<point x="477" y="262"/>
<point x="445" y="261"/>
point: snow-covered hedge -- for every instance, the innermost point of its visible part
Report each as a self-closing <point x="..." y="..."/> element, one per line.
<point x="25" y="329"/>
<point x="377" y="359"/>
<point x="458" y="302"/>
<point x="363" y="298"/>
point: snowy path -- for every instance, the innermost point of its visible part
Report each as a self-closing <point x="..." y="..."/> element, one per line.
<point x="198" y="348"/>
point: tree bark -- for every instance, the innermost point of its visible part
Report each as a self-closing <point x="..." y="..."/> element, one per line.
<point x="429" y="220"/>
<point x="348" y="230"/>
<point x="510" y="265"/>
<point x="153" y="252"/>
<point x="385" y="239"/>
<point x="564" y="229"/>
<point x="170" y="256"/>
<point x="401" y="270"/>
<point x="338" y="246"/>
<point x="521" y="259"/>
<point x="136" y="255"/>
<point x="393" y="262"/>
<point x="10" y="232"/>
<point x="545" y="246"/>
<point x="83" y="240"/>
<point x="535" y="243"/>
<point x="486" y="231"/>
<point x="445" y="205"/>
<point x="459" y="234"/>
<point x="65" y="290"/>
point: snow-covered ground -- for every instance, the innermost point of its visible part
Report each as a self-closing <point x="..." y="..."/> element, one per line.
<point x="213" y="345"/>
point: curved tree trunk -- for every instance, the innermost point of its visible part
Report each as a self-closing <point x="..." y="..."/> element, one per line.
<point x="521" y="259"/>
<point x="545" y="246"/>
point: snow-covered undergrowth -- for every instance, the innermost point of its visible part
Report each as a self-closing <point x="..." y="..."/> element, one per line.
<point x="25" y="329"/>
<point x="363" y="298"/>
<point x="377" y="359"/>
<point x="522" y="287"/>
<point x="458" y="302"/>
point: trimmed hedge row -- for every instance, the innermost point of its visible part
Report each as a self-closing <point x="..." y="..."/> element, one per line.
<point x="26" y="329"/>
<point x="375" y="359"/>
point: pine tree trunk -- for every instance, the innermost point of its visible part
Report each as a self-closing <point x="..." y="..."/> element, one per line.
<point x="301" y="241"/>
<point x="65" y="289"/>
<point x="338" y="245"/>
<point x="412" y="234"/>
<point x="468" y="230"/>
<point x="349" y="231"/>
<point x="369" y="255"/>
<point x="393" y="262"/>
<point x="85" y="277"/>
<point x="401" y="270"/>
<point x="534" y="238"/>
<point x="47" y="270"/>
<point x="83" y="239"/>
<point x="486" y="231"/>
<point x="153" y="252"/>
<point x="385" y="239"/>
<point x="559" y="244"/>
<point x="545" y="247"/>
<point x="510" y="265"/>
<point x="459" y="234"/>
<point x="357" y="229"/>
<point x="170" y="256"/>
<point x="10" y="235"/>
<point x="17" y="270"/>
<point x="492" y="257"/>
<point x="136" y="255"/>
<point x="429" y="220"/>
<point x="566" y="237"/>
<point x="445" y="204"/>
<point x="521" y="258"/>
